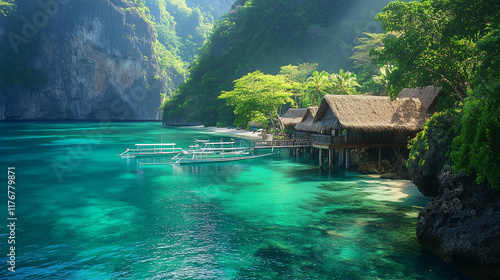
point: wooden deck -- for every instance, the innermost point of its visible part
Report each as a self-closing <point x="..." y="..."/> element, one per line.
<point x="278" y="144"/>
<point x="343" y="142"/>
<point x="321" y="142"/>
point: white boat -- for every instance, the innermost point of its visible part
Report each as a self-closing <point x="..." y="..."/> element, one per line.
<point x="198" y="158"/>
<point x="205" y="147"/>
<point x="150" y="150"/>
<point x="209" y="152"/>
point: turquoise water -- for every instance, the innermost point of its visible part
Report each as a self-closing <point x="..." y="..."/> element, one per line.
<point x="84" y="213"/>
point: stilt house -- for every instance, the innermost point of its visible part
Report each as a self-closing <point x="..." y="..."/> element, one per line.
<point x="293" y="117"/>
<point x="360" y="121"/>
<point x="304" y="128"/>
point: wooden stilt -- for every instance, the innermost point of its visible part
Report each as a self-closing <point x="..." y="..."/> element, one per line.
<point x="320" y="158"/>
<point x="347" y="158"/>
<point x="379" y="158"/>
<point x="330" y="158"/>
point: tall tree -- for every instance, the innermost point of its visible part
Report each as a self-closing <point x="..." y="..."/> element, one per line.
<point x="476" y="150"/>
<point x="424" y="50"/>
<point x="258" y="97"/>
<point x="318" y="81"/>
<point x="297" y="75"/>
<point x="382" y="79"/>
<point x="343" y="83"/>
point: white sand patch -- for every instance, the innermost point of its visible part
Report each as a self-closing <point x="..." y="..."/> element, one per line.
<point x="230" y="132"/>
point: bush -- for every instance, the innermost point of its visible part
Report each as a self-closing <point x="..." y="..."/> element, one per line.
<point x="476" y="150"/>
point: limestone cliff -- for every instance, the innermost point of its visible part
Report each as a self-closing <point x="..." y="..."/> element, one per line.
<point x="96" y="58"/>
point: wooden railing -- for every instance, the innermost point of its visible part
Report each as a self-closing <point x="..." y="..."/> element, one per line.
<point x="299" y="135"/>
<point x="282" y="143"/>
<point x="328" y="139"/>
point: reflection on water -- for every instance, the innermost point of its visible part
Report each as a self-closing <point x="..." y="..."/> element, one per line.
<point x="269" y="218"/>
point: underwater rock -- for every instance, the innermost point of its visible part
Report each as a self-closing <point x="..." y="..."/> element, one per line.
<point x="275" y="252"/>
<point x="398" y="170"/>
<point x="462" y="225"/>
<point x="368" y="167"/>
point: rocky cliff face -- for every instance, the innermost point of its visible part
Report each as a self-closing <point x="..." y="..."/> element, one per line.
<point x="430" y="153"/>
<point x="97" y="60"/>
<point x="462" y="225"/>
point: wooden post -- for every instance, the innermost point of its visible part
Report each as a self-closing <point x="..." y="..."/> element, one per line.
<point x="379" y="158"/>
<point x="330" y="158"/>
<point x="320" y="158"/>
<point x="347" y="158"/>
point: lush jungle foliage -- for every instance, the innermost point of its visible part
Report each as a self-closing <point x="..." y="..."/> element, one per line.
<point x="261" y="98"/>
<point x="265" y="35"/>
<point x="182" y="28"/>
<point x="455" y="44"/>
<point x="258" y="97"/>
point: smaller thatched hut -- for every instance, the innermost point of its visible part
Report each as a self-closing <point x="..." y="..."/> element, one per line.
<point x="292" y="117"/>
<point x="427" y="96"/>
<point x="306" y="125"/>
<point x="307" y="121"/>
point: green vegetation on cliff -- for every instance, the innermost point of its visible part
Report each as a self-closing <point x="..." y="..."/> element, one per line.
<point x="265" y="35"/>
<point x="454" y="44"/>
<point x="181" y="26"/>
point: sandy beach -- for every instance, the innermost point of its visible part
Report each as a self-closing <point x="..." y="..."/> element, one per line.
<point x="230" y="132"/>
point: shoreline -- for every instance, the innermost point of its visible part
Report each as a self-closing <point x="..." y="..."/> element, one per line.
<point x="230" y="132"/>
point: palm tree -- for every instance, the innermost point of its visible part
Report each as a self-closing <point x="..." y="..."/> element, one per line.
<point x="382" y="79"/>
<point x="344" y="83"/>
<point x="318" y="81"/>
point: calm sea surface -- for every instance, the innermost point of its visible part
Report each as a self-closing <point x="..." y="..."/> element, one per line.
<point x="84" y="213"/>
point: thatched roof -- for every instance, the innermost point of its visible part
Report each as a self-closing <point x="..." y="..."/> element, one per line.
<point x="293" y="116"/>
<point x="307" y="121"/>
<point x="370" y="113"/>
<point x="427" y="94"/>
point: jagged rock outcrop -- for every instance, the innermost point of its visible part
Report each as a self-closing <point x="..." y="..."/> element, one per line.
<point x="97" y="59"/>
<point x="462" y="225"/>
<point x="430" y="153"/>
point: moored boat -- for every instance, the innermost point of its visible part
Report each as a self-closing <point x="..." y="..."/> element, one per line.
<point x="151" y="150"/>
<point x="212" y="152"/>
<point x="199" y="158"/>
